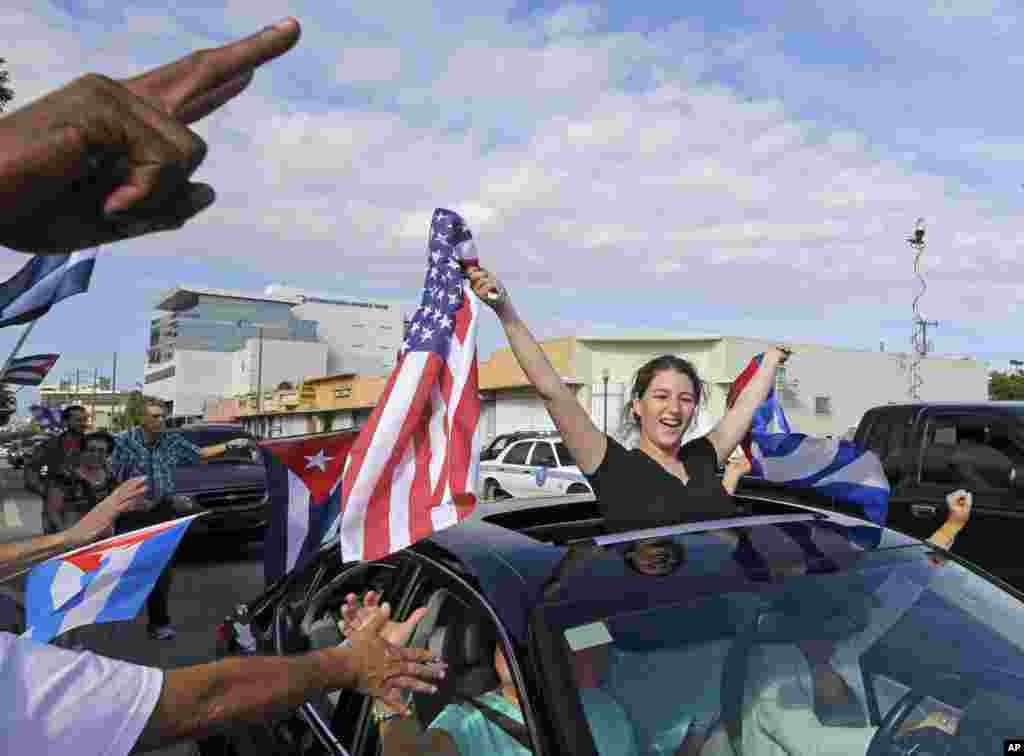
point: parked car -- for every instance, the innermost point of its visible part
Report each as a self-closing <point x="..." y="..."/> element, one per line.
<point x="630" y="640"/>
<point x="232" y="487"/>
<point x="929" y="449"/>
<point x="530" y="464"/>
<point x="23" y="449"/>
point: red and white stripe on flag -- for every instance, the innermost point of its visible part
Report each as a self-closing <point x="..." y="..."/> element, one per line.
<point x="414" y="468"/>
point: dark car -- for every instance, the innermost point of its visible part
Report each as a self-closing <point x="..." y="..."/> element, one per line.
<point x="635" y="643"/>
<point x="231" y="487"/>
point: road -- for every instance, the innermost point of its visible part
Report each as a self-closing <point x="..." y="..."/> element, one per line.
<point x="210" y="579"/>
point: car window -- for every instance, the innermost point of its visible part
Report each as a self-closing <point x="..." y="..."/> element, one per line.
<point x="887" y="626"/>
<point x="493" y="449"/>
<point x="479" y="672"/>
<point x="879" y="435"/>
<point x="543" y="455"/>
<point x="340" y="711"/>
<point x="973" y="452"/>
<point x="564" y="455"/>
<point x="516" y="455"/>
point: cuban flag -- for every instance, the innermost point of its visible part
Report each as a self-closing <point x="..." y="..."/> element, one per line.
<point x="44" y="281"/>
<point x="29" y="371"/>
<point x="107" y="581"/>
<point x="303" y="477"/>
<point x="45" y="416"/>
<point x="413" y="469"/>
<point x="839" y="469"/>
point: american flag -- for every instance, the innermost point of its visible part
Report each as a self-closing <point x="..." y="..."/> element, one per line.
<point x="414" y="466"/>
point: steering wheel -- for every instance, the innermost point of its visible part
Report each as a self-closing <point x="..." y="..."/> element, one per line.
<point x="882" y="743"/>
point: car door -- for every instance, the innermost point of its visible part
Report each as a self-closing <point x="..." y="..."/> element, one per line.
<point x="513" y="474"/>
<point x="543" y="462"/>
<point x="332" y="721"/>
<point x="455" y="601"/>
<point x="990" y="537"/>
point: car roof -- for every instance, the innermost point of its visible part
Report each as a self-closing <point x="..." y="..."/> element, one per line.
<point x="514" y="568"/>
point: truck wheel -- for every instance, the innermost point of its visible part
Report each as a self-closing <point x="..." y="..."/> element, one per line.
<point x="577" y="488"/>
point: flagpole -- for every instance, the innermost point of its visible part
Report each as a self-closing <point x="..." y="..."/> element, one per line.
<point x="17" y="347"/>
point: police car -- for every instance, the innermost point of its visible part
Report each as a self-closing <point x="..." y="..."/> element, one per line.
<point x="534" y="463"/>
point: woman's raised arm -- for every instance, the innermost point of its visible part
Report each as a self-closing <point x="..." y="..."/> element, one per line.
<point x="583" y="439"/>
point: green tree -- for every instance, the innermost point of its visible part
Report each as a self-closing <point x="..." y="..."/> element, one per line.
<point x="134" y="410"/>
<point x="1006" y="386"/>
<point x="6" y="93"/>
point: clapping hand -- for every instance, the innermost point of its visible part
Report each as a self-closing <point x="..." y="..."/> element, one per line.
<point x="384" y="669"/>
<point x="355" y="614"/>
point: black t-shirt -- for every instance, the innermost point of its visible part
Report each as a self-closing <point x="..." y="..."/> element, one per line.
<point x="634" y="491"/>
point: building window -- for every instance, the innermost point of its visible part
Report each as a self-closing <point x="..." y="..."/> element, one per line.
<point x="780" y="377"/>
<point x="343" y="392"/>
<point x="823" y="405"/>
<point x="159" y="375"/>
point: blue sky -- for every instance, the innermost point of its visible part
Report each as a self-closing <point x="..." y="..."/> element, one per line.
<point x="738" y="167"/>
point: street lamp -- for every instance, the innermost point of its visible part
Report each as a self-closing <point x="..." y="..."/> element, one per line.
<point x="604" y="377"/>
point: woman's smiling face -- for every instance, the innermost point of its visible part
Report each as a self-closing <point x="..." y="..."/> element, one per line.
<point x="666" y="408"/>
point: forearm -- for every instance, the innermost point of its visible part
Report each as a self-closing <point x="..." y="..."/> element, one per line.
<point x="730" y="480"/>
<point x="760" y="385"/>
<point x="945" y="535"/>
<point x="538" y="368"/>
<point x="20" y="555"/>
<point x="204" y="699"/>
<point x="213" y="451"/>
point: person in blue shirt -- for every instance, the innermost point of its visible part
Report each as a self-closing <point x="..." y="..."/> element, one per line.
<point x="152" y="451"/>
<point x="461" y="729"/>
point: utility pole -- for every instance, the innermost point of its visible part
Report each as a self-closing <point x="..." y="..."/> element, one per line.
<point x="113" y="395"/>
<point x="95" y="383"/>
<point x="920" y="335"/>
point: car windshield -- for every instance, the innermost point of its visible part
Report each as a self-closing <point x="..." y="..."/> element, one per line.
<point x="805" y="657"/>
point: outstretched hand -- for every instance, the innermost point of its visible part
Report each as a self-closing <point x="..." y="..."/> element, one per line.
<point x="382" y="669"/>
<point x="99" y="522"/>
<point x="101" y="160"/>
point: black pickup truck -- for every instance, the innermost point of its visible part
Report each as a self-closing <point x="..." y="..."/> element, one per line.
<point x="931" y="449"/>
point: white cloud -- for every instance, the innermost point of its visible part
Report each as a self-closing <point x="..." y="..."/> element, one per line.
<point x="362" y="65"/>
<point x="609" y="164"/>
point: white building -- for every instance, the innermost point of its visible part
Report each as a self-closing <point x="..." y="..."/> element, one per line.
<point x="206" y="345"/>
<point x="823" y="390"/>
<point x="363" y="336"/>
<point x="283" y="361"/>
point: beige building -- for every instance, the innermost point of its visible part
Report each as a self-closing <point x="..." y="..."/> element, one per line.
<point x="823" y="390"/>
<point x="101" y="405"/>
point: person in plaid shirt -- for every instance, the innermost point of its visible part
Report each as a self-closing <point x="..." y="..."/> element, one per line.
<point x="151" y="451"/>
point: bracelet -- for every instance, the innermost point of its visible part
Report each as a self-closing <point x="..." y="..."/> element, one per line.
<point x="381" y="715"/>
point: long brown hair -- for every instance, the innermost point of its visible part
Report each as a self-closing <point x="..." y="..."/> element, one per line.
<point x="642" y="381"/>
